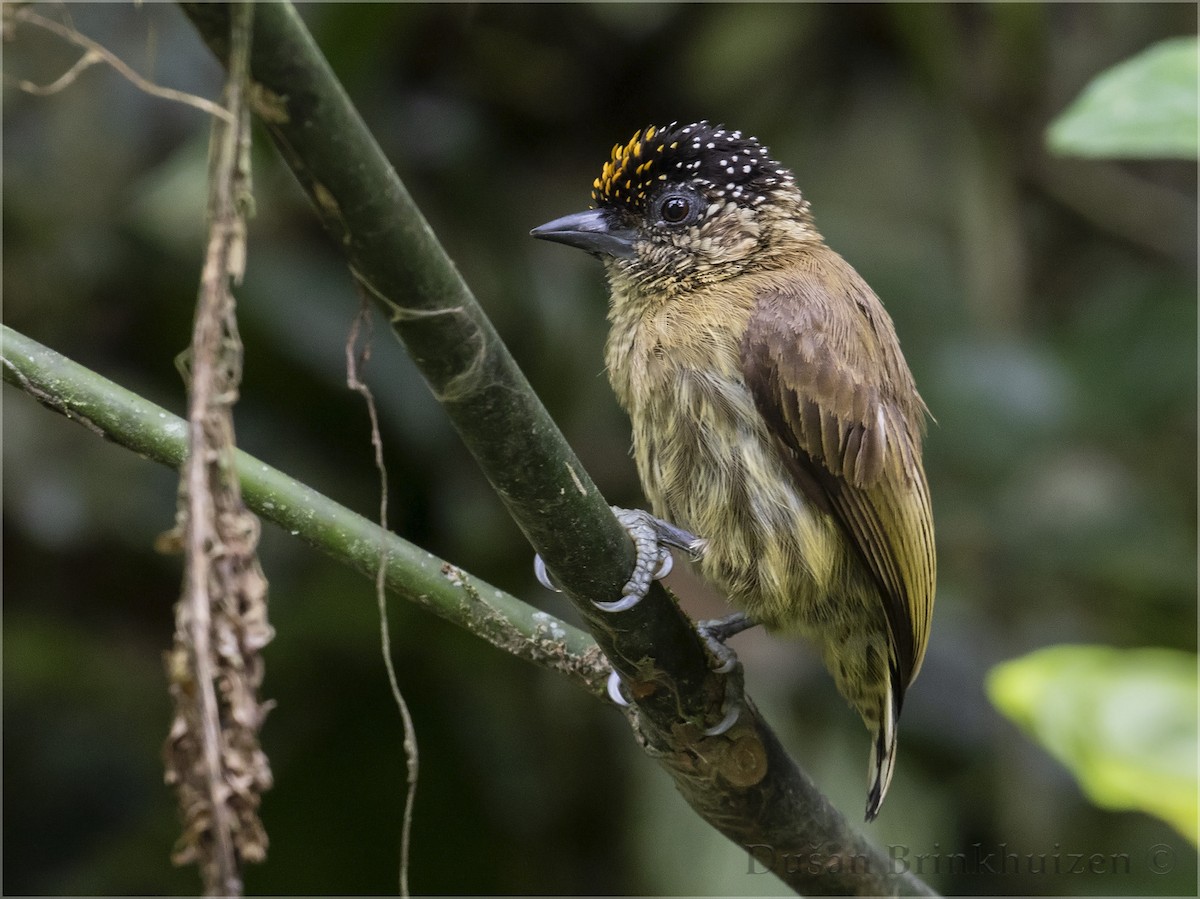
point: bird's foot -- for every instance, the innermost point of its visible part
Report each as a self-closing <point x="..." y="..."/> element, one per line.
<point x="651" y="538"/>
<point x="634" y="520"/>
<point x="714" y="633"/>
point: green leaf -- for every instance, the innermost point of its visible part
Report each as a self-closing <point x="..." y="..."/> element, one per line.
<point x="1145" y="107"/>
<point x="1124" y="722"/>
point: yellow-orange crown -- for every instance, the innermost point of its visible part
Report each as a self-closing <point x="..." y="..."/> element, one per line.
<point x="627" y="175"/>
<point x="721" y="161"/>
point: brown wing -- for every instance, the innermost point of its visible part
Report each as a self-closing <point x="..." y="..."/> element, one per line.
<point x="821" y="358"/>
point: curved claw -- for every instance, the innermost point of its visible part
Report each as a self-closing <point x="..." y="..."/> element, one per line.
<point x="543" y="576"/>
<point x="626" y="602"/>
<point x="727" y="722"/>
<point x="665" y="566"/>
<point x="614" y="689"/>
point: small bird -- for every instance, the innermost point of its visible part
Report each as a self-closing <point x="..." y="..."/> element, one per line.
<point x="773" y="413"/>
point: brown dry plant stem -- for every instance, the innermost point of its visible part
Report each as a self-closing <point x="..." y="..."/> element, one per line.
<point x="212" y="753"/>
<point x="95" y="53"/>
<point x="356" y="360"/>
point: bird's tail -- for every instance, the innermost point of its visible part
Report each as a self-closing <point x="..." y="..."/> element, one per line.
<point x="883" y="753"/>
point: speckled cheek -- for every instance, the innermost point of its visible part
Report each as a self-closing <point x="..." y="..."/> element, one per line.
<point x="731" y="235"/>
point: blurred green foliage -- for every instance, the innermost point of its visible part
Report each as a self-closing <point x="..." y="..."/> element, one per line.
<point x="1123" y="720"/>
<point x="1143" y="108"/>
<point x="1046" y="305"/>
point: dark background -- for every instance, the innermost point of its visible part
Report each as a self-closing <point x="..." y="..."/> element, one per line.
<point x="1046" y="306"/>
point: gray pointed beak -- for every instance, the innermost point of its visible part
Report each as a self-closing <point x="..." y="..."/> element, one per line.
<point x="593" y="231"/>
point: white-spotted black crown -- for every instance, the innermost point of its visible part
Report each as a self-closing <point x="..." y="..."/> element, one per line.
<point x="723" y="163"/>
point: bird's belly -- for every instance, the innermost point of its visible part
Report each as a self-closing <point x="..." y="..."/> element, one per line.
<point x="708" y="464"/>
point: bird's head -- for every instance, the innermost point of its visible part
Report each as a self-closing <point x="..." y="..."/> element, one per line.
<point x="686" y="205"/>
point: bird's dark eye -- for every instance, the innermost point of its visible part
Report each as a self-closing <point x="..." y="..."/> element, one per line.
<point x="674" y="209"/>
